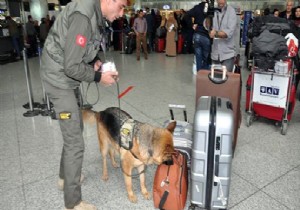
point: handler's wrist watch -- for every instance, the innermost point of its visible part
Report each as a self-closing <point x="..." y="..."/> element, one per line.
<point x="217" y="34"/>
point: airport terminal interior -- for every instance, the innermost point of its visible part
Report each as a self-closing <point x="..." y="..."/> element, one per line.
<point x="266" y="164"/>
<point x="265" y="173"/>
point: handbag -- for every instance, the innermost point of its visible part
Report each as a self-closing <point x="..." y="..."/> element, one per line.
<point x="171" y="184"/>
<point x="161" y="32"/>
<point x="176" y="36"/>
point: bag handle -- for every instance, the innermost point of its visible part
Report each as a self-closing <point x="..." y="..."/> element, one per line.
<point x="166" y="193"/>
<point x="214" y="77"/>
<point x="221" y="192"/>
<point x="177" y="156"/>
<point x="177" y="106"/>
<point x="163" y="200"/>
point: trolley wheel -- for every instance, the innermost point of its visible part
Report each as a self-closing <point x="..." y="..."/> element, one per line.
<point x="192" y="207"/>
<point x="249" y="119"/>
<point x="284" y="127"/>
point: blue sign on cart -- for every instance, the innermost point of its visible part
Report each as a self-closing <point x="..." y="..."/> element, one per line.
<point x="271" y="91"/>
<point x="247" y="18"/>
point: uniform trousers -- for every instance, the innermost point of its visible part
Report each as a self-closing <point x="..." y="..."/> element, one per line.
<point x="68" y="100"/>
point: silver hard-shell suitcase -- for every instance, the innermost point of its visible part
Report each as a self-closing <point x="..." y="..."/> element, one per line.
<point x="212" y="153"/>
<point x="182" y="136"/>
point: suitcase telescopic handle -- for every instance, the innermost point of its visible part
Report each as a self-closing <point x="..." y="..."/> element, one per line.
<point x="217" y="162"/>
<point x="176" y="106"/>
<point x="213" y="77"/>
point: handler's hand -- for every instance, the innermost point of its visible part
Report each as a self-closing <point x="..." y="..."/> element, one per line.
<point x="212" y="33"/>
<point x="195" y="26"/>
<point x="97" y="65"/>
<point x="109" y="77"/>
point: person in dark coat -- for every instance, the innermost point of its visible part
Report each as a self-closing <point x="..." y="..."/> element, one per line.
<point x="288" y="13"/>
<point x="154" y="28"/>
<point x="158" y="19"/>
<point x="202" y="41"/>
<point x="31" y="37"/>
<point x="116" y="34"/>
<point x="187" y="32"/>
<point x="43" y="31"/>
<point x="14" y="34"/>
<point x="150" y="28"/>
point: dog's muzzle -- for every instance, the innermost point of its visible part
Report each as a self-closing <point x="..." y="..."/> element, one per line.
<point x="168" y="162"/>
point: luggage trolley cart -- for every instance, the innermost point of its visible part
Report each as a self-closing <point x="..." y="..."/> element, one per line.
<point x="270" y="94"/>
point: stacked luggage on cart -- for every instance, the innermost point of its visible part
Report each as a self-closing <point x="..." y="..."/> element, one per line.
<point x="271" y="91"/>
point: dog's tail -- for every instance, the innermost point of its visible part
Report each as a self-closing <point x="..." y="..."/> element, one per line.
<point x="89" y="116"/>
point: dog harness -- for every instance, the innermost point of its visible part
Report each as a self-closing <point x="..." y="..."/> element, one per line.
<point x="127" y="133"/>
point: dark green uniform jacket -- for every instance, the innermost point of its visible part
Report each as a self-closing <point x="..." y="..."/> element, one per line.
<point x="72" y="43"/>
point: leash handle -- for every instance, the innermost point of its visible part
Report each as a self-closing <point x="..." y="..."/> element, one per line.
<point x="86" y="94"/>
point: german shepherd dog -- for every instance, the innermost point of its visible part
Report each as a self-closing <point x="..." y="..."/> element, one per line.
<point x="150" y="144"/>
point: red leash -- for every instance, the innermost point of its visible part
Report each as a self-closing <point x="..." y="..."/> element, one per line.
<point x="125" y="92"/>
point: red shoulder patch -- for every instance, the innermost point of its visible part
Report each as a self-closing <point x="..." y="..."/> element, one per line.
<point x="80" y="40"/>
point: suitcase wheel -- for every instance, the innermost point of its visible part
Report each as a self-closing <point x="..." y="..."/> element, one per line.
<point x="192" y="207"/>
<point x="284" y="126"/>
<point x="249" y="119"/>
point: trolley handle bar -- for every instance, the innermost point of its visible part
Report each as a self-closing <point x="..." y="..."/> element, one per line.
<point x="177" y="106"/>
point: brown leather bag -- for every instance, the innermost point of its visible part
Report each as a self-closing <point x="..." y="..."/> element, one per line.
<point x="230" y="88"/>
<point x="171" y="184"/>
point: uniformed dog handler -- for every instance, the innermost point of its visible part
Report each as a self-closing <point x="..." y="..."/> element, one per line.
<point x="69" y="57"/>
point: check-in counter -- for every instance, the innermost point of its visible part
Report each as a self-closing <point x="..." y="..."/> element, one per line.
<point x="6" y="46"/>
<point x="5" y="41"/>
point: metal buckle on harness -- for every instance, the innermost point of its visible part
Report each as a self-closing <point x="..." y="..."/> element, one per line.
<point x="126" y="133"/>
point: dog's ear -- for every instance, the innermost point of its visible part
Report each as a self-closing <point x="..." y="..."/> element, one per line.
<point x="171" y="126"/>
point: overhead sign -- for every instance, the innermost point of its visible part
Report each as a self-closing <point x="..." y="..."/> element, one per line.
<point x="166" y="6"/>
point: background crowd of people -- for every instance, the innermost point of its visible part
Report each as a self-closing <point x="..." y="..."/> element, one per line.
<point x="32" y="32"/>
<point x="154" y="20"/>
<point x="188" y="25"/>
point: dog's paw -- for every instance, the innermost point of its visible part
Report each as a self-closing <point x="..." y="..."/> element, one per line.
<point x="105" y="177"/>
<point x="132" y="198"/>
<point x="115" y="165"/>
<point x="147" y="195"/>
